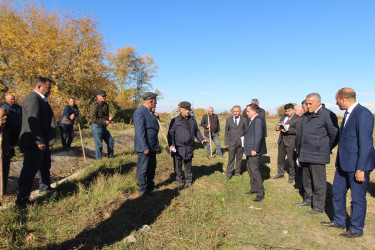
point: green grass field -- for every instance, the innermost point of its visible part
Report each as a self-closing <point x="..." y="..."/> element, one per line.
<point x="102" y="208"/>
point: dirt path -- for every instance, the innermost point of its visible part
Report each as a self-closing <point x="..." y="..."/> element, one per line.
<point x="64" y="163"/>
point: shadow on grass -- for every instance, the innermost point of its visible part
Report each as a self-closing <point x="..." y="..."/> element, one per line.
<point x="371" y="188"/>
<point x="329" y="204"/>
<point x="264" y="169"/>
<point x="71" y="187"/>
<point x="203" y="170"/>
<point x="131" y="215"/>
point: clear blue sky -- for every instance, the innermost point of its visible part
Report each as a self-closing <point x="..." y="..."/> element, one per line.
<point x="222" y="53"/>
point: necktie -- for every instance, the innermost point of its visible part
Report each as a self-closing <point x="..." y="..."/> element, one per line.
<point x="236" y="120"/>
<point x="344" y="120"/>
<point x="287" y="121"/>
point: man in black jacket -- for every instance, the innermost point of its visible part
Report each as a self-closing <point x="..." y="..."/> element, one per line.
<point x="318" y="136"/>
<point x="37" y="134"/>
<point x="287" y="126"/>
<point x="214" y="128"/>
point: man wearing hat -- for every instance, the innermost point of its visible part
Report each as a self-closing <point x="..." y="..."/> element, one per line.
<point x="145" y="143"/>
<point x="182" y="131"/>
<point x="100" y="118"/>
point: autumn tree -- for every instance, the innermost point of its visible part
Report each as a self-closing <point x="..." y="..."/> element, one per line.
<point x="132" y="73"/>
<point x="65" y="47"/>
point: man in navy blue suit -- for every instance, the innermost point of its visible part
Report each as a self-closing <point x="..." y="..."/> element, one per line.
<point x="254" y="147"/>
<point x="146" y="142"/>
<point x="354" y="162"/>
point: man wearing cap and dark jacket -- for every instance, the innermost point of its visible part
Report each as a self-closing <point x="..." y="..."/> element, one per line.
<point x="183" y="129"/>
<point x="146" y="142"/>
<point x="100" y="118"/>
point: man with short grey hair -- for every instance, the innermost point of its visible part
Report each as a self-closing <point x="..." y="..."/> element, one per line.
<point x="319" y="135"/>
<point x="235" y="128"/>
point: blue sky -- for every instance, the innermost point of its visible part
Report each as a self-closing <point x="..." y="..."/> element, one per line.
<point x="223" y="53"/>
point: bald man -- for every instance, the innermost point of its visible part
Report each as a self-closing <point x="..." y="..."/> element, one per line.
<point x="354" y="163"/>
<point x="14" y="119"/>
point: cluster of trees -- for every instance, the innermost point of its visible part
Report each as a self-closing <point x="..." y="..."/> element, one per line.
<point x="71" y="50"/>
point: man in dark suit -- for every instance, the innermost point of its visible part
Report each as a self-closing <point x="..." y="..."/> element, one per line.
<point x="36" y="136"/>
<point x="146" y="142"/>
<point x="182" y="132"/>
<point x="287" y="126"/>
<point x="354" y="163"/>
<point x="254" y="147"/>
<point x="262" y="112"/>
<point x="235" y="128"/>
<point x="5" y="155"/>
<point x="318" y="136"/>
<point x="214" y="128"/>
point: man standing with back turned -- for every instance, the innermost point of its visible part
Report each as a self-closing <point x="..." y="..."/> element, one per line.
<point x="354" y="163"/>
<point x="145" y="143"/>
<point x="36" y="133"/>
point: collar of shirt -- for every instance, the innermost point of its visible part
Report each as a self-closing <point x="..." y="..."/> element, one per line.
<point x="350" y="110"/>
<point x="253" y="118"/>
<point x="234" y="118"/>
<point x="43" y="97"/>
<point x="316" y="111"/>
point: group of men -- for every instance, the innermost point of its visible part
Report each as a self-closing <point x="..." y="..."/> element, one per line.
<point x="308" y="135"/>
<point x="33" y="128"/>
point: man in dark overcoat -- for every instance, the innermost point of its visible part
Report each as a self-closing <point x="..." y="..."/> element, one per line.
<point x="183" y="129"/>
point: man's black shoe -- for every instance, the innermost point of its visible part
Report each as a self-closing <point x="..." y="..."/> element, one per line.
<point x="251" y="192"/>
<point x="331" y="224"/>
<point x="314" y="211"/>
<point x="228" y="178"/>
<point x="258" y="198"/>
<point x="303" y="204"/>
<point x="24" y="203"/>
<point x="350" y="234"/>
<point x="278" y="176"/>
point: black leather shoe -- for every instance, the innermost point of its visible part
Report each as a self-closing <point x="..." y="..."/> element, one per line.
<point x="251" y="192"/>
<point x="303" y="204"/>
<point x="24" y="203"/>
<point x="278" y="176"/>
<point x="258" y="198"/>
<point x="350" y="235"/>
<point x="331" y="224"/>
<point x="314" y="211"/>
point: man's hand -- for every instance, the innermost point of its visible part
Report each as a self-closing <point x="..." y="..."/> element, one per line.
<point x="110" y="118"/>
<point x="283" y="130"/>
<point x="171" y="148"/>
<point x="146" y="152"/>
<point x="107" y="122"/>
<point x="42" y="146"/>
<point x="218" y="133"/>
<point x="360" y="176"/>
<point x="253" y="153"/>
<point x="278" y="127"/>
<point x="71" y="116"/>
<point x="204" y="141"/>
<point x="227" y="146"/>
<point x="208" y="126"/>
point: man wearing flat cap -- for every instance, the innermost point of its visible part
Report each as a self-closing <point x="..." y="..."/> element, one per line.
<point x="146" y="142"/>
<point x="182" y="131"/>
<point x="100" y="119"/>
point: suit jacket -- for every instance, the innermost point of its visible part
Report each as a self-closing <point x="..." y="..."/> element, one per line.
<point x="204" y="124"/>
<point x="233" y="132"/>
<point x="262" y="113"/>
<point x="289" y="138"/>
<point x="146" y="130"/>
<point x="255" y="137"/>
<point x="38" y="122"/>
<point x="355" y="150"/>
